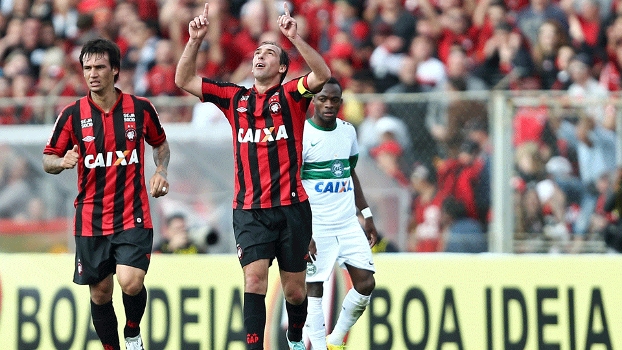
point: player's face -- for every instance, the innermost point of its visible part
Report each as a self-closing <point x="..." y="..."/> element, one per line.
<point x="266" y="62"/>
<point x="327" y="103"/>
<point x="98" y="73"/>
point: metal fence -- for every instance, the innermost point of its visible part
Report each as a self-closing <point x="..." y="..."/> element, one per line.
<point x="521" y="128"/>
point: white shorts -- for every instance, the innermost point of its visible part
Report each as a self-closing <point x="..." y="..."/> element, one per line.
<point x="348" y="248"/>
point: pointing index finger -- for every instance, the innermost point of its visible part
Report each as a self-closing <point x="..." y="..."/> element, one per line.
<point x="286" y="9"/>
<point x="205" y="10"/>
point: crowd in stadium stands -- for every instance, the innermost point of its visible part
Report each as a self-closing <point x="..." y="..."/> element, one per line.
<point x="564" y="164"/>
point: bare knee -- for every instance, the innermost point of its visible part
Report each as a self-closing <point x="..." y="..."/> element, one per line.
<point x="130" y="279"/>
<point x="256" y="277"/>
<point x="295" y="294"/>
<point x="132" y="286"/>
<point x="315" y="289"/>
<point x="101" y="293"/>
<point x="366" y="285"/>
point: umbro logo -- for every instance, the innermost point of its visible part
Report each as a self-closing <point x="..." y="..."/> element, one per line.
<point x="241" y="109"/>
<point x="89" y="138"/>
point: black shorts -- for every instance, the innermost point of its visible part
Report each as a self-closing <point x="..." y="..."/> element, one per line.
<point x="97" y="257"/>
<point x="282" y="232"/>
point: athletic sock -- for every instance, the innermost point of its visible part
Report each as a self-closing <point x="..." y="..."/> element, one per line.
<point x="316" y="328"/>
<point x="297" y="315"/>
<point x="105" y="323"/>
<point x="134" y="311"/>
<point x="353" y="306"/>
<point x="254" y="319"/>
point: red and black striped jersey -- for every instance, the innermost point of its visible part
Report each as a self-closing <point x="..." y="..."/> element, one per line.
<point x="112" y="194"/>
<point x="267" y="140"/>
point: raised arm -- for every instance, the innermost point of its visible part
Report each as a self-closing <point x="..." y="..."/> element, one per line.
<point x="186" y="76"/>
<point x="320" y="73"/>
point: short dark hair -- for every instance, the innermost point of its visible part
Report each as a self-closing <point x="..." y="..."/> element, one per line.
<point x="101" y="46"/>
<point x="333" y="80"/>
<point x="283" y="57"/>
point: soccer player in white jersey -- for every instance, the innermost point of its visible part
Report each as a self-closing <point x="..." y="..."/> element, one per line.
<point x="330" y="153"/>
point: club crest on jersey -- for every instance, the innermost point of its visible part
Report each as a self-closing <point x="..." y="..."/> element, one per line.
<point x="275" y="108"/>
<point x="337" y="168"/>
<point x="130" y="134"/>
<point x="262" y="135"/>
<point x="108" y="159"/>
<point x="86" y="123"/>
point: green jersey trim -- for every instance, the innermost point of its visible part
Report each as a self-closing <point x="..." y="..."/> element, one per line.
<point x="330" y="128"/>
<point x="331" y="169"/>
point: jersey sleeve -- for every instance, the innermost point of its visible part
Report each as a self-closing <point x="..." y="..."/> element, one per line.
<point x="303" y="87"/>
<point x="219" y="93"/>
<point x="154" y="132"/>
<point x="354" y="147"/>
<point x="62" y="137"/>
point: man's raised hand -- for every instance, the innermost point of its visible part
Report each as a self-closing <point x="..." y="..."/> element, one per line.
<point x="197" y="28"/>
<point x="287" y="24"/>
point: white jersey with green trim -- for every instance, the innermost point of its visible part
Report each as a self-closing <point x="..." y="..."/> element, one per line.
<point x="328" y="156"/>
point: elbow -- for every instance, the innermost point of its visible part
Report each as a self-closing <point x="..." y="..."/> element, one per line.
<point x="324" y="75"/>
<point x="180" y="82"/>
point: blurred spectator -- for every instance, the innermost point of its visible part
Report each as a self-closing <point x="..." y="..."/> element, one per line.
<point x="459" y="67"/>
<point x="506" y="58"/>
<point x="141" y="54"/>
<point x="487" y="15"/>
<point x="430" y="70"/>
<point x="562" y="80"/>
<point x="585" y="87"/>
<point x="65" y="18"/>
<point x="550" y="38"/>
<point x="596" y="150"/>
<point x="531" y="18"/>
<point x="386" y="58"/>
<point x="175" y="239"/>
<point x="16" y="187"/>
<point x="11" y="39"/>
<point x="457" y="30"/>
<point x="476" y="130"/>
<point x="389" y="156"/>
<point x="611" y="75"/>
<point x="462" y="234"/>
<point x="448" y="128"/>
<point x="377" y="122"/>
<point x="413" y="114"/>
<point x="459" y="176"/>
<point x="353" y="110"/>
<point x="402" y="23"/>
<point x="424" y="227"/>
<point x="161" y="77"/>
<point x="407" y="75"/>
<point x="585" y="26"/>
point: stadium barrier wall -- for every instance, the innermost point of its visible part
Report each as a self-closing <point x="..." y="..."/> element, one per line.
<point x="423" y="301"/>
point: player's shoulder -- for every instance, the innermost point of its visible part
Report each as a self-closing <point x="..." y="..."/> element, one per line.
<point x="345" y="123"/>
<point x="346" y="126"/>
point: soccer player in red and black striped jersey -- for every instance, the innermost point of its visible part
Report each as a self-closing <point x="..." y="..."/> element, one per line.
<point x="103" y="135"/>
<point x="271" y="211"/>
